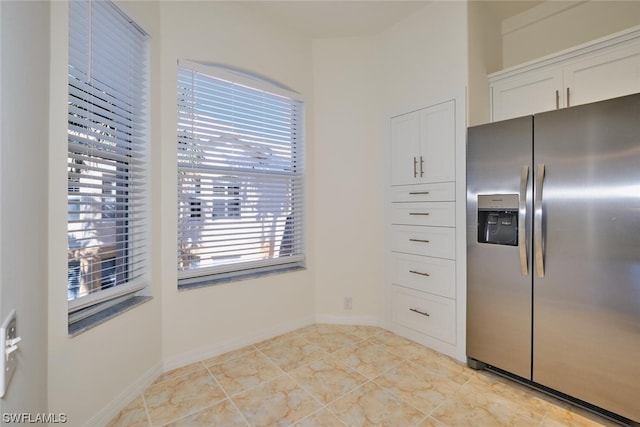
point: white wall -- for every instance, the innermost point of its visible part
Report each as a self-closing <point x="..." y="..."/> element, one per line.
<point x="550" y="27"/>
<point x="485" y="57"/>
<point x="424" y="57"/>
<point x="23" y="195"/>
<point x="349" y="220"/>
<point x="201" y="322"/>
<point x="91" y="374"/>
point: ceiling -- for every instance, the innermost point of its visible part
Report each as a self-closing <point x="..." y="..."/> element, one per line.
<point x="331" y="18"/>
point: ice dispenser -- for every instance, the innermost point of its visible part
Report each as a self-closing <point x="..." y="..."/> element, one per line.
<point x="498" y="219"/>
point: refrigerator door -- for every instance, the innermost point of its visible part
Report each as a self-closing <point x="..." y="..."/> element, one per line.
<point x="499" y="272"/>
<point x="587" y="304"/>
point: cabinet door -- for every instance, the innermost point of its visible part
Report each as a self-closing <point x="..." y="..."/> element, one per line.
<point x="601" y="77"/>
<point x="405" y="136"/>
<point x="526" y="94"/>
<point x="437" y="143"/>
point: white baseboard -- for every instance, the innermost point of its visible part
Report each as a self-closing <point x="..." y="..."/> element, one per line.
<point x="135" y="388"/>
<point x="218" y="348"/>
<point x="350" y="320"/>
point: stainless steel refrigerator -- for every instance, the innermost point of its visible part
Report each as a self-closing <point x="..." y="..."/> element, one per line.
<point x="553" y="252"/>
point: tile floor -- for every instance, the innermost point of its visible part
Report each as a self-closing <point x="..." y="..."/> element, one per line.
<point x="336" y="375"/>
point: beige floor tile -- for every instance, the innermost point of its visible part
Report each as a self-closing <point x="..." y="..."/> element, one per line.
<point x="278" y="402"/>
<point x="321" y="418"/>
<point x="565" y="415"/>
<point x="366" y="376"/>
<point x="372" y="405"/>
<point x="367" y="358"/>
<point x="327" y="379"/>
<point x="477" y="402"/>
<point x="510" y="394"/>
<point x="280" y="339"/>
<point x="244" y="372"/>
<point x="225" y="357"/>
<point x="418" y="385"/>
<point x="362" y="331"/>
<point x="134" y="415"/>
<point x="221" y="414"/>
<point x="173" y="399"/>
<point x="331" y="341"/>
<point x="293" y="353"/>
<point x="398" y="345"/>
<point x="455" y="413"/>
<point x="184" y="370"/>
<point x="431" y="422"/>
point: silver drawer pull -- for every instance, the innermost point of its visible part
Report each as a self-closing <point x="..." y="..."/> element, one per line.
<point x="420" y="312"/>
<point x="419" y="240"/>
<point x="418" y="213"/>
<point x="417" y="193"/>
<point x="419" y="273"/>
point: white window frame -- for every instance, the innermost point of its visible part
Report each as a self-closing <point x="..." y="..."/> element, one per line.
<point x="107" y="155"/>
<point x="218" y="224"/>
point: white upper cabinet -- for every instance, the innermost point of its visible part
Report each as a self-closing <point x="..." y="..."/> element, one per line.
<point x="531" y="93"/>
<point x="609" y="75"/>
<point x="606" y="68"/>
<point x="423" y="145"/>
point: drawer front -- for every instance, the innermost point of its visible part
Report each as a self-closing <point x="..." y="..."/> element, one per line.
<point x="424" y="213"/>
<point x="433" y="275"/>
<point x="425" y="313"/>
<point x="428" y="241"/>
<point x="441" y="192"/>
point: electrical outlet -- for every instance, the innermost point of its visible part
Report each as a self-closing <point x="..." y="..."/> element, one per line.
<point x="348" y="303"/>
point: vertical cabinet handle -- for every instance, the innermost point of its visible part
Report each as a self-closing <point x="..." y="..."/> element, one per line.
<point x="537" y="226"/>
<point x="557" y="99"/>
<point x="568" y="98"/>
<point x="415" y="167"/>
<point x="421" y="167"/>
<point x="522" y="214"/>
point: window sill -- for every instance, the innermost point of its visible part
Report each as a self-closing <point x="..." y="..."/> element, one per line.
<point x="92" y="321"/>
<point x="206" y="281"/>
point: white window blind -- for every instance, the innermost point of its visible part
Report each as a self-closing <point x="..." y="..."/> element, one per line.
<point x="240" y="176"/>
<point x="107" y="155"/>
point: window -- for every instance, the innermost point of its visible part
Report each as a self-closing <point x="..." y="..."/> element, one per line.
<point x="106" y="196"/>
<point x="240" y="176"/>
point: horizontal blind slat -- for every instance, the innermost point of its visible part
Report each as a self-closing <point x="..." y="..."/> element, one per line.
<point x="107" y="131"/>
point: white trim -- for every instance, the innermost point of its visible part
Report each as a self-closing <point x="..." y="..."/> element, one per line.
<point x="122" y="400"/>
<point x="630" y="35"/>
<point x="536" y="14"/>
<point x="333" y="319"/>
<point x="246" y="78"/>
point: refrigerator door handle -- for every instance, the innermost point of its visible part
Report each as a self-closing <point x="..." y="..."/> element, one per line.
<point x="537" y="226"/>
<point x="522" y="213"/>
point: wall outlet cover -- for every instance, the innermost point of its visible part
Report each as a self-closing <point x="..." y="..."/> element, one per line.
<point x="8" y="346"/>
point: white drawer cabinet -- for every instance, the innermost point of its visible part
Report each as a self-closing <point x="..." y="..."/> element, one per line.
<point x="436" y="192"/>
<point x="425" y="313"/>
<point x="603" y="69"/>
<point x="437" y="242"/>
<point x="425" y="274"/>
<point x="421" y="219"/>
<point x="424" y="213"/>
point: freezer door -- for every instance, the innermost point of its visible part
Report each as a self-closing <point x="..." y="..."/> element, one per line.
<point x="498" y="272"/>
<point x="587" y="302"/>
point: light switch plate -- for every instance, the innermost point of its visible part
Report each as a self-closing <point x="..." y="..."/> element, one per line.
<point x="8" y="357"/>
